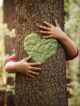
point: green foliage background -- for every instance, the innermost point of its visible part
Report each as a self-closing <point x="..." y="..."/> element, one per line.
<point x="72" y="28"/>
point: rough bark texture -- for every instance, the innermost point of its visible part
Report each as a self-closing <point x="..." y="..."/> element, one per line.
<point x="49" y="88"/>
<point x="9" y="44"/>
<point x="9" y="13"/>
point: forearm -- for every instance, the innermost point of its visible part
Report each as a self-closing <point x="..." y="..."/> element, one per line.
<point x="11" y="67"/>
<point x="70" y="47"/>
<point x="51" y="31"/>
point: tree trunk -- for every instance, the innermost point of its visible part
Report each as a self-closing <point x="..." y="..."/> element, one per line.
<point x="9" y="12"/>
<point x="49" y="88"/>
<point x="9" y="44"/>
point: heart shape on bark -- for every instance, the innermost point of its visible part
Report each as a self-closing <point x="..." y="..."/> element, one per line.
<point x="39" y="48"/>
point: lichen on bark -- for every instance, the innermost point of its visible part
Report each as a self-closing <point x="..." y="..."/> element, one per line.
<point x="39" y="48"/>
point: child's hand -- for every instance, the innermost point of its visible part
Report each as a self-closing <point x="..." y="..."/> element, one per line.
<point x="51" y="31"/>
<point x="23" y="66"/>
<point x="30" y="69"/>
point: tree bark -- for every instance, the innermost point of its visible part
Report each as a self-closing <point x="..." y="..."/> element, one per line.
<point x="49" y="88"/>
<point x="9" y="13"/>
<point x="9" y="44"/>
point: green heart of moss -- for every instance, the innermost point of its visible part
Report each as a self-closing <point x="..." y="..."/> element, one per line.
<point x="40" y="49"/>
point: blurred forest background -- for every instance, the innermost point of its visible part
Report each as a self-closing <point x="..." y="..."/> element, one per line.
<point x="7" y="38"/>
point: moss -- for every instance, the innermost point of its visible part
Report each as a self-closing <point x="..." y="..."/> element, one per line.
<point x="39" y="48"/>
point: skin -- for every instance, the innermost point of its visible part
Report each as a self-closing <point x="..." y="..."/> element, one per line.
<point x="50" y="31"/>
<point x="23" y="66"/>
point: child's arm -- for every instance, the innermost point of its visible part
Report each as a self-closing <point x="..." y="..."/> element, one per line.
<point x="23" y="66"/>
<point x="51" y="31"/>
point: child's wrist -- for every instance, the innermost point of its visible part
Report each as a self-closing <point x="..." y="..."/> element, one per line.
<point x="16" y="66"/>
<point x="63" y="37"/>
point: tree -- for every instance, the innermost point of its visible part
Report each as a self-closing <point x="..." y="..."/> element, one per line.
<point x="9" y="12"/>
<point x="49" y="88"/>
<point x="9" y="44"/>
<point x="9" y="19"/>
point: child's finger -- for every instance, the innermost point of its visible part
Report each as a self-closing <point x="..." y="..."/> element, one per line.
<point x="48" y="24"/>
<point x="30" y="75"/>
<point x="43" y="27"/>
<point x="33" y="73"/>
<point x="46" y="37"/>
<point x="45" y="32"/>
<point x="56" y="22"/>
<point x="35" y="68"/>
<point x="35" y="64"/>
<point x="27" y="58"/>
